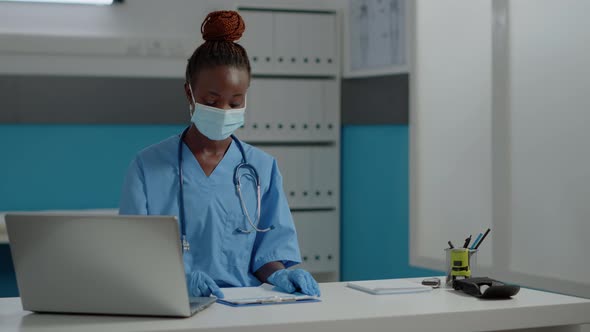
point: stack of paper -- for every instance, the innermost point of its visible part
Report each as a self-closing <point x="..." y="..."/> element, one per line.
<point x="392" y="286"/>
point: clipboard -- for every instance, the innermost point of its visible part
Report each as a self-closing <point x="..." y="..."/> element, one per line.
<point x="265" y="294"/>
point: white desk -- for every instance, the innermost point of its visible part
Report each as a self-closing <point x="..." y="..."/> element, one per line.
<point x="341" y="309"/>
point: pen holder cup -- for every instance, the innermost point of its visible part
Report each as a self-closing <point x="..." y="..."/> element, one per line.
<point x="460" y="263"/>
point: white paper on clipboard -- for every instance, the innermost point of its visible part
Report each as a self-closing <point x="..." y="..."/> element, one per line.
<point x="263" y="294"/>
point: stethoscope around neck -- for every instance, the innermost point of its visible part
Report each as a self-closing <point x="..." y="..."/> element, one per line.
<point x="243" y="165"/>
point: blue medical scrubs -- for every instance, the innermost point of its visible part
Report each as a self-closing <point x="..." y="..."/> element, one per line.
<point x="213" y="210"/>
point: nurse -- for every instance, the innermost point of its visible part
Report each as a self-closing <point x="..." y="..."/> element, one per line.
<point x="233" y="238"/>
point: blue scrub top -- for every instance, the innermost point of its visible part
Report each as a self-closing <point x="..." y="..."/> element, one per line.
<point x="213" y="211"/>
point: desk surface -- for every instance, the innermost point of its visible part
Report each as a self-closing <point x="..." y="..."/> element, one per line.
<point x="341" y="309"/>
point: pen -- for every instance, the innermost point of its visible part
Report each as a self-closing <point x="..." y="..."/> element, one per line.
<point x="483" y="238"/>
<point x="451" y="246"/>
<point x="476" y="240"/>
<point x="467" y="240"/>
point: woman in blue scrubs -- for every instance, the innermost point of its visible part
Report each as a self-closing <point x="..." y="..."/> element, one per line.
<point x="226" y="244"/>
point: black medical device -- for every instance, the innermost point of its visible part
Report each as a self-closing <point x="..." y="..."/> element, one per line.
<point x="486" y="288"/>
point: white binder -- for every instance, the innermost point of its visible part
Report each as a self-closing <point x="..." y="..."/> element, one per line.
<point x="325" y="179"/>
<point x="331" y="111"/>
<point x="319" y="234"/>
<point x="288" y="42"/>
<point x="257" y="40"/>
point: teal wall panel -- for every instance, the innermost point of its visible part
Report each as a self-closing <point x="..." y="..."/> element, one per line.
<point x="375" y="203"/>
<point x="82" y="166"/>
<point x="66" y="167"/>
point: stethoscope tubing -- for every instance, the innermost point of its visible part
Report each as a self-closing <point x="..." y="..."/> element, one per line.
<point x="237" y="182"/>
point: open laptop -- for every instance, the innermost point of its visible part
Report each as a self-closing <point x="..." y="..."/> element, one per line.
<point x="121" y="265"/>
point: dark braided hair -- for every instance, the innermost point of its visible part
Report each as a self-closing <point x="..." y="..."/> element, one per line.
<point x="220" y="30"/>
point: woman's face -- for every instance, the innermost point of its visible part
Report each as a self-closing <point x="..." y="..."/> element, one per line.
<point x="222" y="87"/>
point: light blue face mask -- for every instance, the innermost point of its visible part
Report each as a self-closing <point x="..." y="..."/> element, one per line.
<point x="215" y="123"/>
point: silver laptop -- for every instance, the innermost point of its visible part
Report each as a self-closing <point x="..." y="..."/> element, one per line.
<point x="121" y="265"/>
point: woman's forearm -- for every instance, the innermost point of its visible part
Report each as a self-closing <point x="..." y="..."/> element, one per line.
<point x="267" y="269"/>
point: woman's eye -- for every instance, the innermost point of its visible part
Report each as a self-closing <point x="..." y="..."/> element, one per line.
<point x="236" y="105"/>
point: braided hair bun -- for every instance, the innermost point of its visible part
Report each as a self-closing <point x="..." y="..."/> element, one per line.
<point x="220" y="30"/>
<point x="223" y="25"/>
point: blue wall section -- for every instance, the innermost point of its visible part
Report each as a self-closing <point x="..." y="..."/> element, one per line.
<point x="69" y="167"/>
<point x="78" y="167"/>
<point x="375" y="203"/>
<point x="66" y="167"/>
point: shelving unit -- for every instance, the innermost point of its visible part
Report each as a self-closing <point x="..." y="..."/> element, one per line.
<point x="293" y="113"/>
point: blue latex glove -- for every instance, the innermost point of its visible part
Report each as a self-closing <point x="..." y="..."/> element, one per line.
<point x="200" y="284"/>
<point x="291" y="281"/>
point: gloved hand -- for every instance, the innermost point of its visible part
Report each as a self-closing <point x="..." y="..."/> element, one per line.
<point x="295" y="280"/>
<point x="200" y="284"/>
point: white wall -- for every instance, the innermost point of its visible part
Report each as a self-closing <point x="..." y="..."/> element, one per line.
<point x="500" y="136"/>
<point x="450" y="128"/>
<point x="550" y="139"/>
